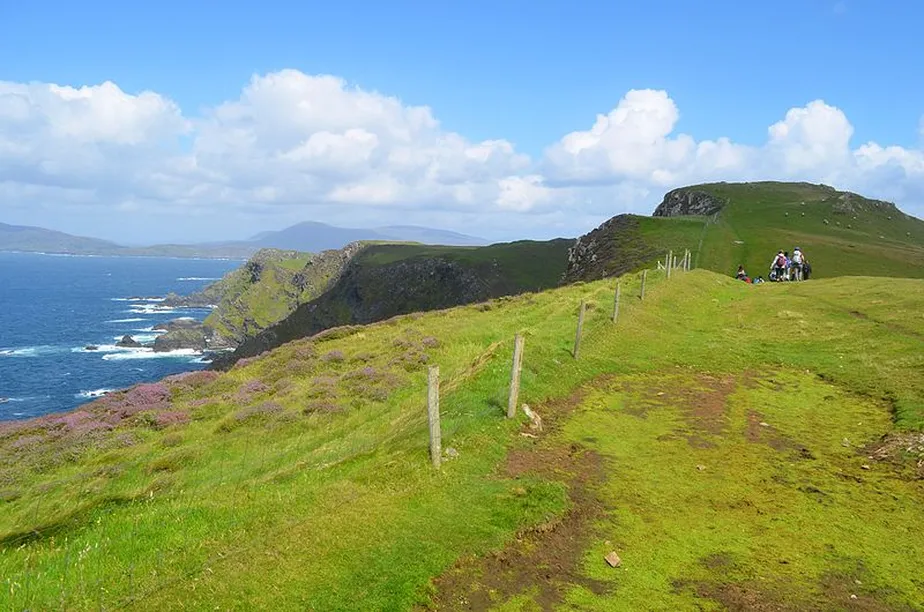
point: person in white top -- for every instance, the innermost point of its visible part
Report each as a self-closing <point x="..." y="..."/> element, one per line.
<point x="797" y="260"/>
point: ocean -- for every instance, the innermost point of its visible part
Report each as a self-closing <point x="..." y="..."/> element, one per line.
<point x="52" y="307"/>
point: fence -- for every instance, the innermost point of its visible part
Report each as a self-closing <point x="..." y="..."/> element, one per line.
<point x="669" y="266"/>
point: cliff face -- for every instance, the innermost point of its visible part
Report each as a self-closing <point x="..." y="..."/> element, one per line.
<point x="262" y="292"/>
<point x="614" y="248"/>
<point x="686" y="201"/>
<point x="386" y="281"/>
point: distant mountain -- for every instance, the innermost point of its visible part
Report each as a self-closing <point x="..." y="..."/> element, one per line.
<point x="315" y="237"/>
<point x="310" y="237"/>
<point x="37" y="239"/>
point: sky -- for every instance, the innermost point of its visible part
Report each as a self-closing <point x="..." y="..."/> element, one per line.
<point x="196" y="121"/>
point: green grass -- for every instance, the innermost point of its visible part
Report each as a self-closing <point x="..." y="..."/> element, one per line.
<point x="326" y="500"/>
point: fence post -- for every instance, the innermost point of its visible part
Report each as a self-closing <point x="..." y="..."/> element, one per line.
<point x="580" y="328"/>
<point x="641" y="294"/>
<point x="689" y="257"/>
<point x="670" y="259"/>
<point x="616" y="302"/>
<point x="433" y="414"/>
<point x="515" y="376"/>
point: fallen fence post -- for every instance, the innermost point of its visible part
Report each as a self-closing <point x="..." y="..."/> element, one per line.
<point x="433" y="414"/>
<point x="641" y="294"/>
<point x="515" y="376"/>
<point x="580" y="328"/>
<point x="616" y="302"/>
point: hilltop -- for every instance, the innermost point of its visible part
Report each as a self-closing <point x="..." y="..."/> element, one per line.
<point x="727" y="224"/>
<point x="726" y="463"/>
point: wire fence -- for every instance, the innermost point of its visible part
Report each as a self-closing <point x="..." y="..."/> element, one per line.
<point x="240" y="470"/>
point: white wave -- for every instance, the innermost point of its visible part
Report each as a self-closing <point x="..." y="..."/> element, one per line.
<point x="94" y="393"/>
<point x="196" y="278"/>
<point x="138" y="299"/>
<point x="31" y="351"/>
<point x="108" y="348"/>
<point x="148" y="309"/>
<point x="142" y="338"/>
<point x="150" y="330"/>
<point x="150" y="354"/>
<point x="132" y="320"/>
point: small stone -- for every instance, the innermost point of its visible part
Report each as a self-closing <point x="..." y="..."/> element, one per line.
<point x="857" y="582"/>
<point x="660" y="393"/>
<point x="762" y="424"/>
<point x="613" y="559"/>
<point x="527" y="435"/>
<point x="852" y="596"/>
<point x="700" y="467"/>
<point x="864" y="466"/>
<point x="845" y="442"/>
<point x="452" y="453"/>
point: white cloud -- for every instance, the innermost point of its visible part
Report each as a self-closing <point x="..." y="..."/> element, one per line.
<point x="294" y="146"/>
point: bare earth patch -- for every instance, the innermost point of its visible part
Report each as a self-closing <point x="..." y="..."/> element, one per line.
<point x="543" y="561"/>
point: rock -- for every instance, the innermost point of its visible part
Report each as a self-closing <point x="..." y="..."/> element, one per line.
<point x="613" y="559"/>
<point x="534" y="418"/>
<point x="91" y="347"/>
<point x="762" y="424"/>
<point x="451" y="453"/>
<point x="853" y="596"/>
<point x="864" y="467"/>
<point x="701" y="467"/>
<point x="4" y="400"/>
<point x="685" y="201"/>
<point x="128" y="342"/>
<point x="528" y="435"/>
<point x="845" y="443"/>
<point x="182" y="338"/>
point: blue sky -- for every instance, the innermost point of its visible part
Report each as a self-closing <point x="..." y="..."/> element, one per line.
<point x="525" y="72"/>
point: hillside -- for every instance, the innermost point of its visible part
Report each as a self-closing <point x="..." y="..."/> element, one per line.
<point x="726" y="224"/>
<point x="36" y="239"/>
<point x="314" y="237"/>
<point x="262" y="292"/>
<point x="726" y="463"/>
<point x="384" y="280"/>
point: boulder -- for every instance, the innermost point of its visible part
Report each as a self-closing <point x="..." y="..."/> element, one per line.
<point x="686" y="201"/>
<point x="128" y="342"/>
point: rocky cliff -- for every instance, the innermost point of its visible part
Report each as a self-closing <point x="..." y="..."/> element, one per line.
<point x="262" y="292"/>
<point x="614" y="248"/>
<point x="389" y="280"/>
<point x="688" y="201"/>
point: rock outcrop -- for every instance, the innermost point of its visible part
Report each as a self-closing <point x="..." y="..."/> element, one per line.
<point x="688" y="201"/>
<point x="614" y="248"/>
<point x="128" y="342"/>
<point x="187" y="333"/>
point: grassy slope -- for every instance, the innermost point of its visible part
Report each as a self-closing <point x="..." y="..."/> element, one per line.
<point x="756" y="216"/>
<point x="327" y="501"/>
<point x="245" y="307"/>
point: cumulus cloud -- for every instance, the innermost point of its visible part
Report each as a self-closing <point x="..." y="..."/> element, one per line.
<point x="316" y="147"/>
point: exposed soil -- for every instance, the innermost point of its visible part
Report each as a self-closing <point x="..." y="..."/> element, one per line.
<point x="545" y="560"/>
<point x="902" y="450"/>
<point x="767" y="434"/>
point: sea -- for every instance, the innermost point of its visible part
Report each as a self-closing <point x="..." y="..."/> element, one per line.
<point x="52" y="307"/>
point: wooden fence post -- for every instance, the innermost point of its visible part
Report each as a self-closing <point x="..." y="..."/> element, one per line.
<point x="689" y="256"/>
<point x="580" y="329"/>
<point x="641" y="294"/>
<point x="433" y="414"/>
<point x="616" y="302"/>
<point x="670" y="258"/>
<point x="515" y="376"/>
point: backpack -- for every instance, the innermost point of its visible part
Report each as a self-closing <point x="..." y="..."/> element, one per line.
<point x="780" y="261"/>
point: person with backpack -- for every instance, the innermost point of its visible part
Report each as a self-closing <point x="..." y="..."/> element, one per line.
<point x="778" y="267"/>
<point x="798" y="259"/>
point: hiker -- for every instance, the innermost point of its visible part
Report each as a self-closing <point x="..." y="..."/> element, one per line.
<point x="798" y="259"/>
<point x="806" y="268"/>
<point x="786" y="275"/>
<point x="741" y="275"/>
<point x="778" y="267"/>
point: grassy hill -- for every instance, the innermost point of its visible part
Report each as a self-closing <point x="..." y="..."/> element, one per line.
<point x="738" y="446"/>
<point x="841" y="233"/>
<point x="384" y="280"/>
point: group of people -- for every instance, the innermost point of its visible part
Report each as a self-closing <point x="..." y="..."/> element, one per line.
<point x="782" y="268"/>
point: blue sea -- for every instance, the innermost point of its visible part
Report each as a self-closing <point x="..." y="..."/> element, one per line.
<point x="52" y="307"/>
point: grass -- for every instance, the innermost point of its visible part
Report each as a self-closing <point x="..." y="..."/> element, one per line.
<point x="301" y="481"/>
